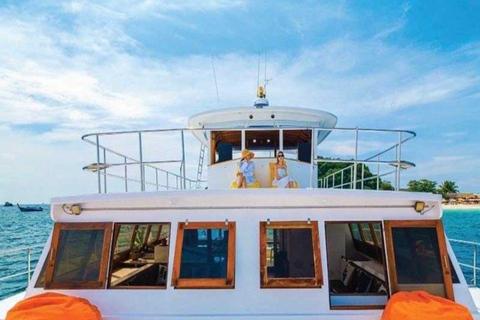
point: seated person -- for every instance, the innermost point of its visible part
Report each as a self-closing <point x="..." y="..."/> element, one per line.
<point x="281" y="178"/>
<point x="246" y="169"/>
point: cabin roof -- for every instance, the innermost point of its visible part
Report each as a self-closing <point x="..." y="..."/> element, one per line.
<point x="246" y="199"/>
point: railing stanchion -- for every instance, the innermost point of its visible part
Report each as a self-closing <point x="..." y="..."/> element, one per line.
<point x="126" y="174"/>
<point x="475" y="265"/>
<point x="29" y="265"/>
<point x="378" y="172"/>
<point x="156" y="178"/>
<point x="341" y="179"/>
<point x="98" y="164"/>
<point x="168" y="186"/>
<point x="355" y="161"/>
<point x="399" y="157"/>
<point x="142" y="173"/>
<point x="183" y="161"/>
<point x="363" y="174"/>
<point x="105" y="171"/>
<point x="351" y="177"/>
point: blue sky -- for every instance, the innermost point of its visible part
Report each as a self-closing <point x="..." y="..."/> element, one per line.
<point x="72" y="67"/>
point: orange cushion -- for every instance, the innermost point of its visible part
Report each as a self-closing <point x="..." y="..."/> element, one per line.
<point x="54" y="306"/>
<point x="422" y="305"/>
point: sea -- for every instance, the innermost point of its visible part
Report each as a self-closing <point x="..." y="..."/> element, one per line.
<point x="23" y="230"/>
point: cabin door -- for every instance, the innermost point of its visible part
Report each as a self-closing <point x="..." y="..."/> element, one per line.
<point x="417" y="257"/>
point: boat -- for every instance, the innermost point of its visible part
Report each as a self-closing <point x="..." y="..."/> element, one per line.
<point x="167" y="237"/>
<point x="29" y="208"/>
<point x="8" y="204"/>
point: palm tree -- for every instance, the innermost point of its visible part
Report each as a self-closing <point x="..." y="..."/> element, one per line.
<point x="447" y="187"/>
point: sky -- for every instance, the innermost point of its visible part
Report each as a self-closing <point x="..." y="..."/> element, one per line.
<point x="68" y="68"/>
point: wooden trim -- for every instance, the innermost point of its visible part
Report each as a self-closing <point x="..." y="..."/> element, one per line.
<point x="107" y="238"/>
<point x="116" y="228"/>
<point x="205" y="283"/>
<point x="446" y="268"/>
<point x="212" y="148"/>
<point x="315" y="282"/>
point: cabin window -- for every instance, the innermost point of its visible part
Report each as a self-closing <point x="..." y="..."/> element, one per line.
<point x="356" y="271"/>
<point x="290" y="255"/>
<point x="418" y="257"/>
<point x="140" y="256"/>
<point x="204" y="255"/>
<point x="78" y="256"/>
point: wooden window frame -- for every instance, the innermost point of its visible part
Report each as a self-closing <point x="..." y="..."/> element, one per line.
<point x="52" y="258"/>
<point x="116" y="231"/>
<point x="446" y="268"/>
<point x="204" y="283"/>
<point x="315" y="282"/>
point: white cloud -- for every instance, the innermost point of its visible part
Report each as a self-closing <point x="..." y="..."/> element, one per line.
<point x="96" y="77"/>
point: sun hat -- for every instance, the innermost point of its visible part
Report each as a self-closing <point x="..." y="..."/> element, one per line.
<point x="247" y="153"/>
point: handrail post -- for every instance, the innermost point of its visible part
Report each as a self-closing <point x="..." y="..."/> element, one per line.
<point x="29" y="264"/>
<point x="168" y="186"/>
<point x="399" y="156"/>
<point x="378" y="172"/>
<point x="156" y="177"/>
<point x="142" y="173"/>
<point x="475" y="265"/>
<point x="341" y="178"/>
<point x="351" y="177"/>
<point x="126" y="174"/>
<point x="98" y="164"/>
<point x="355" y="161"/>
<point x="183" y="161"/>
<point x="105" y="171"/>
<point x="363" y="174"/>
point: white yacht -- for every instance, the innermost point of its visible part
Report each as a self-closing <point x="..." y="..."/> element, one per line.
<point x="162" y="245"/>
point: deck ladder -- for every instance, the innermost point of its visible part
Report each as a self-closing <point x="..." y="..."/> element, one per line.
<point x="200" y="166"/>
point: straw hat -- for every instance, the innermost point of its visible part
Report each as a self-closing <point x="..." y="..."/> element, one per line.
<point x="247" y="153"/>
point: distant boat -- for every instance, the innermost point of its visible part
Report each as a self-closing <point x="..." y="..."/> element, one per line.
<point x="8" y="204"/>
<point x="29" y="209"/>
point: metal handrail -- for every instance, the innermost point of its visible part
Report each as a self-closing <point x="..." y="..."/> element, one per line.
<point x="473" y="266"/>
<point x="182" y="174"/>
<point x="29" y="271"/>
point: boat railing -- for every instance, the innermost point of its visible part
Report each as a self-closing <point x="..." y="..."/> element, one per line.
<point x="26" y="266"/>
<point x="161" y="178"/>
<point x="461" y="247"/>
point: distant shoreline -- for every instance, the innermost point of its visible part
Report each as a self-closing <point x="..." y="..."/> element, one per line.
<point x="461" y="206"/>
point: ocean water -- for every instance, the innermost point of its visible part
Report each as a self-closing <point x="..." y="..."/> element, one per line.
<point x="21" y="230"/>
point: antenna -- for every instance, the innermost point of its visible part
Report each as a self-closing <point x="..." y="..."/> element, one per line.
<point x="265" y="79"/>
<point x="215" y="78"/>
<point x="258" y="73"/>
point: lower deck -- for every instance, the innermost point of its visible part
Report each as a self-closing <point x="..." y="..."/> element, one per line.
<point x="303" y="254"/>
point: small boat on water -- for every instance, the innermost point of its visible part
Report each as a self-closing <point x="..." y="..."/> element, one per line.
<point x="29" y="209"/>
<point x="8" y="204"/>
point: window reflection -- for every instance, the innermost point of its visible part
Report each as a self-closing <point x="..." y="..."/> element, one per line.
<point x="204" y="253"/>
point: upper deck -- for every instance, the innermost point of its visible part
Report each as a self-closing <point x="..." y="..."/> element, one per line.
<point x="206" y="154"/>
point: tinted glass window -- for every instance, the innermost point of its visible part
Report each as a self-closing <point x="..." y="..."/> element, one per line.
<point x="378" y="233"/>
<point x="124" y="240"/>
<point x="417" y="255"/>
<point x="204" y="253"/>
<point x="355" y="232"/>
<point x="41" y="277"/>
<point x="152" y="236"/>
<point x="290" y="253"/>
<point x="79" y="256"/>
<point x="367" y="233"/>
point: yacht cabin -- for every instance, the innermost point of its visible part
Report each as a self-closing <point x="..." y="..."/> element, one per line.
<point x="188" y="248"/>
